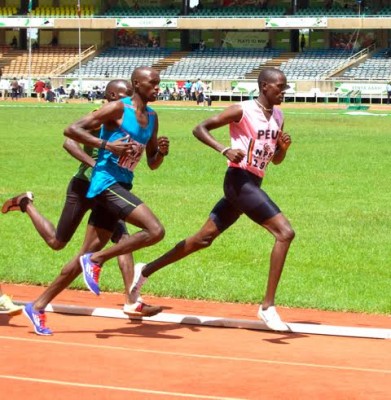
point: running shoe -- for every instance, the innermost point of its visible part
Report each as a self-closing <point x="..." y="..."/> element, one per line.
<point x="38" y="319"/>
<point x="140" y="309"/>
<point x="91" y="272"/>
<point x="272" y="320"/>
<point x="138" y="282"/>
<point x="18" y="203"/>
<point x="8" y="307"/>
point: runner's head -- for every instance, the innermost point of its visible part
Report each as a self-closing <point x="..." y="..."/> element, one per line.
<point x="145" y="81"/>
<point x="118" y="89"/>
<point x="272" y="85"/>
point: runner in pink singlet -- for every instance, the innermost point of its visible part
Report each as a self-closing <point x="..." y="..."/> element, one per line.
<point x="257" y="138"/>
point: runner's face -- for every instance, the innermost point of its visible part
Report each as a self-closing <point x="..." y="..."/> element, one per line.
<point x="275" y="90"/>
<point x="148" y="86"/>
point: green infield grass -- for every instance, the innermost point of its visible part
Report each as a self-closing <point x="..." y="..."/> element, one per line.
<point x="334" y="187"/>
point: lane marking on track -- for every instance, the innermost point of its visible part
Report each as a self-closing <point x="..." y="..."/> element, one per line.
<point x="118" y="388"/>
<point x="200" y="356"/>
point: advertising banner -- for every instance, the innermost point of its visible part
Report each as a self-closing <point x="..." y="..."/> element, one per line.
<point x="26" y="22"/>
<point x="146" y="22"/>
<point x="298" y="23"/>
<point x="364" y="88"/>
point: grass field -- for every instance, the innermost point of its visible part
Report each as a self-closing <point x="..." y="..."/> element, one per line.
<point x="334" y="186"/>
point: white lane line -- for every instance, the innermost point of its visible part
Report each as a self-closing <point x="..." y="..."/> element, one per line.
<point x="199" y="356"/>
<point x="117" y="388"/>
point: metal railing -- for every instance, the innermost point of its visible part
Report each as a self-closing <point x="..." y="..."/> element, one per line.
<point x="348" y="62"/>
<point x="71" y="62"/>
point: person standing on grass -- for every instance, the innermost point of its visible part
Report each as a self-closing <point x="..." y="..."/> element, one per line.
<point x="7" y="306"/>
<point x="77" y="204"/>
<point x="14" y="89"/>
<point x="257" y="138"/>
<point x="128" y="127"/>
<point x="39" y="87"/>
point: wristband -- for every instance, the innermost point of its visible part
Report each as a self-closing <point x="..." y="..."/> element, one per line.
<point x="225" y="150"/>
<point x="103" y="144"/>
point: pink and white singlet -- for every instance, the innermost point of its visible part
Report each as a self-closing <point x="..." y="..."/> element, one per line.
<point x="256" y="136"/>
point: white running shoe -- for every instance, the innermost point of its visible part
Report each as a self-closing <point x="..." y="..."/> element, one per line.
<point x="272" y="320"/>
<point x="138" y="282"/>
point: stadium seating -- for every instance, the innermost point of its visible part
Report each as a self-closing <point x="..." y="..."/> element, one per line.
<point x="43" y="61"/>
<point x="377" y="67"/>
<point x="8" y="11"/>
<point x="313" y="63"/>
<point x="64" y="12"/>
<point x="119" y="62"/>
<point x="218" y="64"/>
<point x="238" y="12"/>
<point x="163" y="12"/>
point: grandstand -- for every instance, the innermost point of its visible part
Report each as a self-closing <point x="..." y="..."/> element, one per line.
<point x="119" y="62"/>
<point x="218" y="64"/>
<point x="377" y="67"/>
<point x="241" y="38"/>
<point x="312" y="64"/>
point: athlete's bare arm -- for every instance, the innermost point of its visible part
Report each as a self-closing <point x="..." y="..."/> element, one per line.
<point x="109" y="115"/>
<point x="202" y="131"/>
<point x="157" y="148"/>
<point x="75" y="150"/>
<point x="283" y="142"/>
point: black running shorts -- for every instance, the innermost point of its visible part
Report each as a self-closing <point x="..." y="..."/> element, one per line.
<point x="117" y="201"/>
<point x="243" y="195"/>
<point x="76" y="206"/>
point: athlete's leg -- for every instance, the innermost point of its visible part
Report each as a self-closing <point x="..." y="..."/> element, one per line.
<point x="281" y="229"/>
<point x="201" y="240"/>
<point x="151" y="232"/>
<point x="221" y="218"/>
<point x="125" y="261"/>
<point x="75" y="207"/>
<point x="95" y="239"/>
<point x="124" y="205"/>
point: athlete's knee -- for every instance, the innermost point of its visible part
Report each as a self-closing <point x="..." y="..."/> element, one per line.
<point x="56" y="245"/>
<point x="156" y="234"/>
<point x="286" y="234"/>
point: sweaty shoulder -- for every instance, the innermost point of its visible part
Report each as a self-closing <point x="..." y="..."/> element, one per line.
<point x="235" y="112"/>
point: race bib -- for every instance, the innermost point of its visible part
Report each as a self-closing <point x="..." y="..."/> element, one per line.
<point x="259" y="154"/>
<point x="130" y="159"/>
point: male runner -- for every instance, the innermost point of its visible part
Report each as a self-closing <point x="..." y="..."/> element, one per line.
<point x="257" y="137"/>
<point x="134" y="124"/>
<point x="77" y="204"/>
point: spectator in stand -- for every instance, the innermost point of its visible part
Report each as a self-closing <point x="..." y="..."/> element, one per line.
<point x="14" y="42"/>
<point x="39" y="87"/>
<point x="54" y="41"/>
<point x="1" y="72"/>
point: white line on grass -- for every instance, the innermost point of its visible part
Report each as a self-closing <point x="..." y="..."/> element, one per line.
<point x="209" y="109"/>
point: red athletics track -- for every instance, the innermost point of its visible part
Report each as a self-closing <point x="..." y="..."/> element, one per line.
<point x="105" y="358"/>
